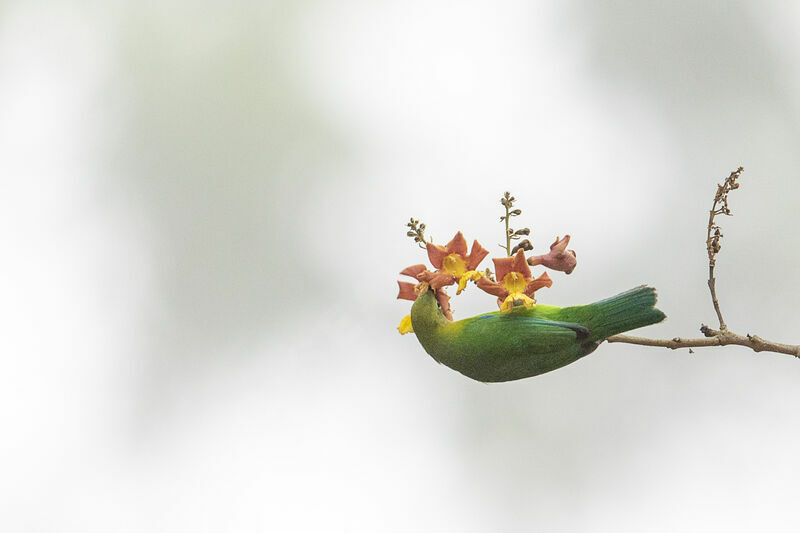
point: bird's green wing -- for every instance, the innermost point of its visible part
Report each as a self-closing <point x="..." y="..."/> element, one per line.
<point x="518" y="333"/>
<point x="506" y="346"/>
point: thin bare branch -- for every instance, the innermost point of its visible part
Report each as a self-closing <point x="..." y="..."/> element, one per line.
<point x="714" y="235"/>
<point x="712" y="337"/>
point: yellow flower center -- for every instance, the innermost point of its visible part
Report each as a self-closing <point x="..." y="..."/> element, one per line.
<point x="454" y="265"/>
<point x="515" y="284"/>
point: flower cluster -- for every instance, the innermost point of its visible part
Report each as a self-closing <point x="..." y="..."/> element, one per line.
<point x="453" y="265"/>
<point x="514" y="283"/>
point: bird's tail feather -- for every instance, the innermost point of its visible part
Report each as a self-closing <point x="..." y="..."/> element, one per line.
<point x="626" y="311"/>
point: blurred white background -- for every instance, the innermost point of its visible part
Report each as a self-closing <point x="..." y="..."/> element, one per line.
<point x="202" y="217"/>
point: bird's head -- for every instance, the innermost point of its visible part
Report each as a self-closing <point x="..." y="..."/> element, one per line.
<point x="427" y="312"/>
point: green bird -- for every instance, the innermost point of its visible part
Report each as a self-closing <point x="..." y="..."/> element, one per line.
<point x="527" y="341"/>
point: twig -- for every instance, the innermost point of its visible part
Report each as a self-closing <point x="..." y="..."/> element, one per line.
<point x="722" y="336"/>
<point x="712" y="337"/>
<point x="713" y="235"/>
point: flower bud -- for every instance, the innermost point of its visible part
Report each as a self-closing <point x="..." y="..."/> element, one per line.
<point x="559" y="257"/>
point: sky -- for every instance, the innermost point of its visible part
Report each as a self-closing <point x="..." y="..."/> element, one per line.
<point x="203" y="208"/>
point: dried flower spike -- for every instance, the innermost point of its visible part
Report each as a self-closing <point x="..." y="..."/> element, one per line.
<point x="507" y="201"/>
<point x="417" y="232"/>
<point x="714" y="234"/>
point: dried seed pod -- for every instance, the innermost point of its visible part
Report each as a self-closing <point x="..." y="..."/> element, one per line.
<point x="523" y="245"/>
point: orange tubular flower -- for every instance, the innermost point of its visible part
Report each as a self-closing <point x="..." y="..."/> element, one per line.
<point x="453" y="265"/>
<point x="559" y="257"/>
<point x="515" y="282"/>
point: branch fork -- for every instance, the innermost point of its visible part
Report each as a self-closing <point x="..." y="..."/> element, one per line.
<point x="721" y="336"/>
